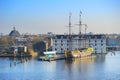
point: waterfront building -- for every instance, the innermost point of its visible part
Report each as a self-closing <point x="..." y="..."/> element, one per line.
<point x="99" y="43"/>
<point x="18" y="49"/>
<point x="61" y="42"/>
<point x="113" y="42"/>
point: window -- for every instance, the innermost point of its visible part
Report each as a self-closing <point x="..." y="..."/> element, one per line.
<point x="101" y="44"/>
<point x="55" y="48"/>
<point x="95" y="40"/>
<point x="55" y="40"/>
<point x="101" y="40"/>
<point x="61" y="48"/>
<point x="67" y="40"/>
<point x="95" y="44"/>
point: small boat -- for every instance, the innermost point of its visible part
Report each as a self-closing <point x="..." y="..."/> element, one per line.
<point x="49" y="56"/>
<point x="50" y="53"/>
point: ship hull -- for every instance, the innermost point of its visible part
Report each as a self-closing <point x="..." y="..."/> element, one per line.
<point x="50" y="52"/>
<point x="78" y="53"/>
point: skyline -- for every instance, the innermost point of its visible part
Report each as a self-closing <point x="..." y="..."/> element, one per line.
<point x="42" y="16"/>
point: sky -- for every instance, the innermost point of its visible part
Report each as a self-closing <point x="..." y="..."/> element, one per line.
<point x="43" y="16"/>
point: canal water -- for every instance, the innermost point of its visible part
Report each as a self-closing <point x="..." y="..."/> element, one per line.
<point x="98" y="67"/>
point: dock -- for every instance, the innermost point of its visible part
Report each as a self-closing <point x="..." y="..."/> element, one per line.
<point x="56" y="57"/>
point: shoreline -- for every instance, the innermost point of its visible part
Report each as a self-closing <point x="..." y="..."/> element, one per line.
<point x="12" y="55"/>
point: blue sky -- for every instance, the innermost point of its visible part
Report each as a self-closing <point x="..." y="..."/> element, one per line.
<point x="42" y="16"/>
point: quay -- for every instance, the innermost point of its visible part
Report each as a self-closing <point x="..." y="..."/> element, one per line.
<point x="17" y="55"/>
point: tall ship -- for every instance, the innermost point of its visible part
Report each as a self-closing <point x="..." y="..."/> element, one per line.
<point x="80" y="52"/>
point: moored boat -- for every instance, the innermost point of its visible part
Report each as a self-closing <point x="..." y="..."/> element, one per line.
<point x="50" y="53"/>
<point x="48" y="56"/>
<point x="79" y="53"/>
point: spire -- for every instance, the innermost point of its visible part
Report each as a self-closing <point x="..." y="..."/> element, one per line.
<point x="14" y="28"/>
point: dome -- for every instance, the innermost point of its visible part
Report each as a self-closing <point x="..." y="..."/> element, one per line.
<point x="14" y="32"/>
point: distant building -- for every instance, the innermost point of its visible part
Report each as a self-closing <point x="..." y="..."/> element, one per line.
<point x="118" y="41"/>
<point x="18" y="49"/>
<point x="14" y="33"/>
<point x="23" y="39"/>
<point x="61" y="42"/>
<point x="113" y="42"/>
<point x="2" y="49"/>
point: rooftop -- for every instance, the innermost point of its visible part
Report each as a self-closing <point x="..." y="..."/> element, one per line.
<point x="14" y="32"/>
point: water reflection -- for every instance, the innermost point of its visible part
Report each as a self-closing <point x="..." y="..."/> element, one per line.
<point x="18" y="60"/>
<point x="99" y="67"/>
<point x="79" y="67"/>
<point x="100" y="58"/>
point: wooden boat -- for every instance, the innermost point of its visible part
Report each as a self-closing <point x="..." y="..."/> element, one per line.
<point x="79" y="53"/>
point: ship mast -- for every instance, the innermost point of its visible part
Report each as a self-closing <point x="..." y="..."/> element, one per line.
<point x="85" y="33"/>
<point x="80" y="25"/>
<point x="70" y="37"/>
<point x="80" y="32"/>
<point x="69" y="24"/>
